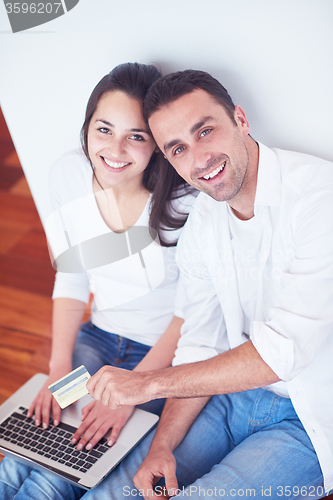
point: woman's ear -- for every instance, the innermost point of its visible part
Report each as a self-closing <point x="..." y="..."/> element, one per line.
<point x="157" y="150"/>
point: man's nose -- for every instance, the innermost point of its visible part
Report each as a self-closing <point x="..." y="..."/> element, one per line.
<point x="200" y="156"/>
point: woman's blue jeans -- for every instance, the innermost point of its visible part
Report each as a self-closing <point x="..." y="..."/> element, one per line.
<point x="248" y="444"/>
<point x="94" y="348"/>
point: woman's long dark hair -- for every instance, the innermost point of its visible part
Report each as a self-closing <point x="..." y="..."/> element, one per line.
<point x="159" y="177"/>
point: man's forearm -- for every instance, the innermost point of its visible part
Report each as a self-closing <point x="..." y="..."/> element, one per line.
<point x="177" y="417"/>
<point x="239" y="369"/>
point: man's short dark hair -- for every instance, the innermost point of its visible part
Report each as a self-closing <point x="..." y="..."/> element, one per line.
<point x="170" y="87"/>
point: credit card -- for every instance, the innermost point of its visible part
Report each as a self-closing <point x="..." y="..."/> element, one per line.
<point x="71" y="387"/>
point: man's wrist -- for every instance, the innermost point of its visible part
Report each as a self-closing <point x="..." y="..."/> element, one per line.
<point x="155" y="384"/>
<point x="161" y="443"/>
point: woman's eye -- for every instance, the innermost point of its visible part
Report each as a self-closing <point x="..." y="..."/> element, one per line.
<point x="205" y="132"/>
<point x="178" y="150"/>
<point x="137" y="137"/>
<point x="104" y="130"/>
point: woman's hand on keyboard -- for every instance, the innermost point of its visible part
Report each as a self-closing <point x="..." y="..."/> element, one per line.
<point x="44" y="402"/>
<point x="97" y="420"/>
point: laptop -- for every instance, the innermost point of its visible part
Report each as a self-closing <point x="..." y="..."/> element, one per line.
<point x="50" y="449"/>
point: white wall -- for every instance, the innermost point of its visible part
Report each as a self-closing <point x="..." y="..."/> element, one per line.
<point x="274" y="56"/>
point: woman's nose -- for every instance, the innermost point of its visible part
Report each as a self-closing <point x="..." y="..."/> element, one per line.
<point x="116" y="147"/>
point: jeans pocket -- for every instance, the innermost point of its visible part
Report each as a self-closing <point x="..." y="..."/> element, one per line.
<point x="263" y="410"/>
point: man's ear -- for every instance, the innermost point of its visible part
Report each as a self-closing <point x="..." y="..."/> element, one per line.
<point x="241" y="119"/>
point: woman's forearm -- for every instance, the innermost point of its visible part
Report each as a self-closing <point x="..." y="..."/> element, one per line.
<point x="66" y="321"/>
<point x="162" y="353"/>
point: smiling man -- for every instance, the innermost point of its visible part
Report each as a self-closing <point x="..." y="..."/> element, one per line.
<point x="256" y="260"/>
<point x="209" y="149"/>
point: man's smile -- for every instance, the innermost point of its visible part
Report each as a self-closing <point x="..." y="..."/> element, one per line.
<point x="214" y="172"/>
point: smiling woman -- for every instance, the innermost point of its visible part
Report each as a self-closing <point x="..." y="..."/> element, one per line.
<point x="120" y="148"/>
<point x="124" y="144"/>
<point x="118" y="191"/>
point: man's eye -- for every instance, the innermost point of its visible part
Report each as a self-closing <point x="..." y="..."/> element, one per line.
<point x="178" y="150"/>
<point x="205" y="132"/>
<point x="137" y="137"/>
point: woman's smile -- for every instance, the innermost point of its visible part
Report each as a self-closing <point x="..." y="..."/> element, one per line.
<point x="119" y="144"/>
<point x="115" y="165"/>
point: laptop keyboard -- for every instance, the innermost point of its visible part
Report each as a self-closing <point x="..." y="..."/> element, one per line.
<point x="52" y="443"/>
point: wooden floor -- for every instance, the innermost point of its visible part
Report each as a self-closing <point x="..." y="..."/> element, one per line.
<point x="26" y="277"/>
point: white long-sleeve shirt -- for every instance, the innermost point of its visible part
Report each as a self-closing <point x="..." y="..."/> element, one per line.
<point x="134" y="292"/>
<point x="292" y="320"/>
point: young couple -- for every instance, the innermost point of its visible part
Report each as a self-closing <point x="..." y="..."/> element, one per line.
<point x="255" y="294"/>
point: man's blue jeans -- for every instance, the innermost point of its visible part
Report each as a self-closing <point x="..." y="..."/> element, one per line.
<point x="249" y="444"/>
<point x="94" y="348"/>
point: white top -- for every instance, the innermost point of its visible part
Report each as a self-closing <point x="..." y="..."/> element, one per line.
<point x="246" y="237"/>
<point x="132" y="277"/>
<point x="292" y="325"/>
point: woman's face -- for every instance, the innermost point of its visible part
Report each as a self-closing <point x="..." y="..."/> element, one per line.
<point x="119" y="144"/>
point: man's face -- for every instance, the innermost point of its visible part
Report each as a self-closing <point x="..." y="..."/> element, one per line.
<point x="203" y="144"/>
